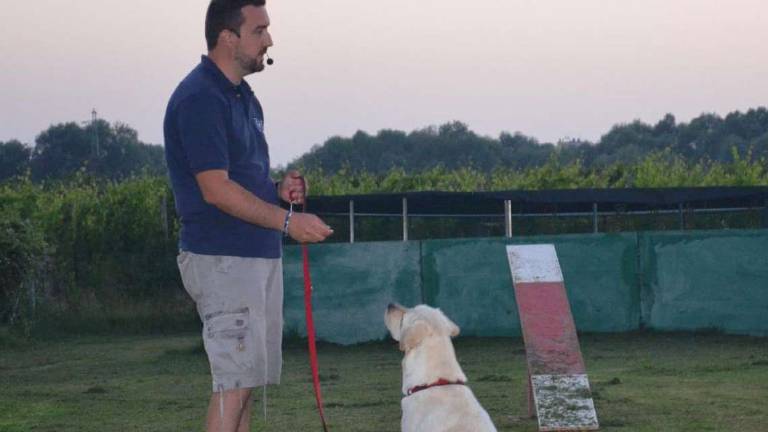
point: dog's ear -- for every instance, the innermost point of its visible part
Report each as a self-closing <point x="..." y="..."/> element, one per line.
<point x="393" y="318"/>
<point x="413" y="335"/>
<point x="453" y="328"/>
<point x="449" y="326"/>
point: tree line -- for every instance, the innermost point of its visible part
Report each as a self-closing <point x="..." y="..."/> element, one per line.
<point x="114" y="152"/>
<point x="707" y="137"/>
<point x="107" y="151"/>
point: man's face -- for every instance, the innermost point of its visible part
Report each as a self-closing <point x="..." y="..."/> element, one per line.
<point x="254" y="39"/>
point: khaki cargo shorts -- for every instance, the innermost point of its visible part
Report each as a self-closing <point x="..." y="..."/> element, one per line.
<point x="240" y="302"/>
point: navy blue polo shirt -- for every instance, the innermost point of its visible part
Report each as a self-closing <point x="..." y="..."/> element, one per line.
<point x="209" y="124"/>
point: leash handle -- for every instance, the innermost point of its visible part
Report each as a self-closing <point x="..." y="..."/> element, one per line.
<point x="293" y="196"/>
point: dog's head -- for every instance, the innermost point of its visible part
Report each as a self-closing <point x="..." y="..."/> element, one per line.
<point x="410" y="326"/>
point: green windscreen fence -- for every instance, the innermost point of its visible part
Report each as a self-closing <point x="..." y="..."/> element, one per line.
<point x="353" y="284"/>
<point x="615" y="283"/>
<point x="470" y="281"/>
<point x="706" y="280"/>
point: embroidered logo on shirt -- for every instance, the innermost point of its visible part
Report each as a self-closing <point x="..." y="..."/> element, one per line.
<point x="259" y="124"/>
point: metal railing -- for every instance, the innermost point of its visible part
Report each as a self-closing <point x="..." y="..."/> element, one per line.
<point x="508" y="217"/>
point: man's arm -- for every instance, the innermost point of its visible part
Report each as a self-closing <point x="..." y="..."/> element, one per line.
<point x="231" y="198"/>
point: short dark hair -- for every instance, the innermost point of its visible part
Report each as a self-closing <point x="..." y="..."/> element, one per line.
<point x="225" y="15"/>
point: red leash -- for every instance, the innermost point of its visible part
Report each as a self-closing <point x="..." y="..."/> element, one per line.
<point x="311" y="333"/>
<point x="311" y="327"/>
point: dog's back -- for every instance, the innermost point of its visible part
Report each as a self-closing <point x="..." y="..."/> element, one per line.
<point x="451" y="408"/>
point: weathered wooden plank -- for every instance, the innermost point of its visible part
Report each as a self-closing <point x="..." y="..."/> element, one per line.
<point x="557" y="376"/>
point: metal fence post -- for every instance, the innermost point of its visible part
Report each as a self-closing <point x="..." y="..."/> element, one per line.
<point x="765" y="214"/>
<point x="594" y="218"/>
<point x="405" y="219"/>
<point x="682" y="216"/>
<point x="508" y="218"/>
<point x="351" y="221"/>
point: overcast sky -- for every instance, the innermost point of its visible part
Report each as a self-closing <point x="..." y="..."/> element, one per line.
<point x="547" y="68"/>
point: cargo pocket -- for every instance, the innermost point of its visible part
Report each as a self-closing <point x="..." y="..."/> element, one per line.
<point x="229" y="342"/>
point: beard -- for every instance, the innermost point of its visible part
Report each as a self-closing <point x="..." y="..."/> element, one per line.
<point x="249" y="65"/>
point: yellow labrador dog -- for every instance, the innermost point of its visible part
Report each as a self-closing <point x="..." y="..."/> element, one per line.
<point x="436" y="396"/>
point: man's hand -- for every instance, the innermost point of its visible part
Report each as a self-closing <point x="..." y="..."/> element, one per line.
<point x="308" y="228"/>
<point x="293" y="188"/>
<point x="303" y="227"/>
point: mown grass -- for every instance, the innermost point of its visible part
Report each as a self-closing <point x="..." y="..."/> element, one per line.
<point x="641" y="382"/>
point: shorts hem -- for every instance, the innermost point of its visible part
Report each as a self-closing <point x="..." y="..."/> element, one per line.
<point x="234" y="382"/>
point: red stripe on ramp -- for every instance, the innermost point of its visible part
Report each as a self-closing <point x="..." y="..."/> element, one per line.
<point x="551" y="344"/>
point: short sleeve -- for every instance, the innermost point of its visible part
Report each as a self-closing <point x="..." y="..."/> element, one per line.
<point x="203" y="132"/>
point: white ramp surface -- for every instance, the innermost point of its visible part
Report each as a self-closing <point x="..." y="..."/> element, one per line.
<point x="534" y="263"/>
<point x="564" y="403"/>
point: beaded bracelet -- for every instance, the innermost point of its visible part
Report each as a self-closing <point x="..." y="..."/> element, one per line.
<point x="287" y="221"/>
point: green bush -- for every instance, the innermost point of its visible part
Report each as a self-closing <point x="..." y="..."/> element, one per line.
<point x="85" y="243"/>
<point x="657" y="170"/>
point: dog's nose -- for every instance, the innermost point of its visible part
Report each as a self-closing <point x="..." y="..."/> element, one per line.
<point x="391" y="306"/>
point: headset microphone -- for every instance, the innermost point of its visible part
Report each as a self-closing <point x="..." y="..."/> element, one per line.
<point x="269" y="59"/>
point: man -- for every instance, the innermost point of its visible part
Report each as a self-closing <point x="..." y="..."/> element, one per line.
<point x="231" y="225"/>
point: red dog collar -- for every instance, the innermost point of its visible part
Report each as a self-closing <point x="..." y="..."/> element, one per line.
<point x="438" y="383"/>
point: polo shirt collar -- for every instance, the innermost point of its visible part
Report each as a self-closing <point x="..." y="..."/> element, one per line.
<point x="223" y="82"/>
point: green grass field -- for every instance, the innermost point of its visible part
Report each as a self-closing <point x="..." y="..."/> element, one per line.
<point x="641" y="382"/>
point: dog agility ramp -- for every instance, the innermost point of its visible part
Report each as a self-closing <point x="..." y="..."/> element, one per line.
<point x="557" y="382"/>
